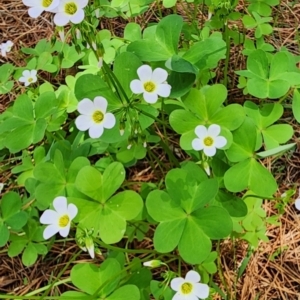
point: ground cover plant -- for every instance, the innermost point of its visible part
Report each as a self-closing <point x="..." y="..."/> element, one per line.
<point x="90" y="106"/>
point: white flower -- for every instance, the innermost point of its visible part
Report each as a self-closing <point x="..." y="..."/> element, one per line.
<point x="151" y="83"/>
<point x="70" y="10"/>
<point x="58" y="220"/>
<point x="6" y="47"/>
<point x="94" y="117"/>
<point x="208" y="139"/>
<point x="38" y="6"/>
<point x="189" y="288"/>
<point x="28" y="77"/>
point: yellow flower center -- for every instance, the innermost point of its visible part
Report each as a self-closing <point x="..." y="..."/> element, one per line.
<point x="63" y="221"/>
<point x="98" y="116"/>
<point x="186" y="288"/>
<point x="149" y="86"/>
<point x="208" y="141"/>
<point x="71" y="8"/>
<point x="30" y="79"/>
<point x="47" y="3"/>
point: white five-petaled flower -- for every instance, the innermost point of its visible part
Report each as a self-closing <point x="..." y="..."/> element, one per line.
<point x="189" y="288"/>
<point x="69" y="10"/>
<point x="58" y="220"/>
<point x="208" y="139"/>
<point x="28" y="77"/>
<point x="6" y="47"/>
<point x="38" y="6"/>
<point x="151" y="83"/>
<point x="94" y="116"/>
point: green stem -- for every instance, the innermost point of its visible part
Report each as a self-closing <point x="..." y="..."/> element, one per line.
<point x="227" y="40"/>
<point x="44" y="288"/>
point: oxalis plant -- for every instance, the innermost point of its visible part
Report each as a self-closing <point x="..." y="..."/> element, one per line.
<point x="70" y="146"/>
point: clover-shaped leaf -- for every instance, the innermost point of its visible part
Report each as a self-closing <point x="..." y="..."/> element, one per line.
<point x="163" y="43"/>
<point x="185" y="216"/>
<point x="102" y="281"/>
<point x="205" y="107"/>
<point x="54" y="180"/>
<point x="271" y="135"/>
<point x="270" y="80"/>
<point x="11" y="215"/>
<point x="104" y="213"/>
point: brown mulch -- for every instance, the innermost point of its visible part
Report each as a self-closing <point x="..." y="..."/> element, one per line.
<point x="273" y="269"/>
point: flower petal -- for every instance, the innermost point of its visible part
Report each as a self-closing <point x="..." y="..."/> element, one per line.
<point x="163" y="90"/>
<point x="220" y="142"/>
<point x="49" y="231"/>
<point x="61" y="19"/>
<point x="213" y="130"/>
<point x="53" y="5"/>
<point x="209" y="151"/>
<point x="49" y="216"/>
<point x="150" y="97"/>
<point x="22" y="79"/>
<point x="86" y="106"/>
<point x="201" y="131"/>
<point x="197" y="144"/>
<point x="96" y="130"/>
<point x="31" y="2"/>
<point x="65" y="230"/>
<point x="78" y="17"/>
<point x="26" y="73"/>
<point x="35" y="12"/>
<point x="83" y="122"/>
<point x="109" y="121"/>
<point x="136" y="86"/>
<point x="145" y="73"/>
<point x="176" y="283"/>
<point x="159" y="75"/>
<point x="297" y="203"/>
<point x="100" y="103"/>
<point x="60" y="204"/>
<point x="72" y="210"/>
<point x="201" y="290"/>
<point x="192" y="276"/>
<point x="33" y="73"/>
<point x="82" y="3"/>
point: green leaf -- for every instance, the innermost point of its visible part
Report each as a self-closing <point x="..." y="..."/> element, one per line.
<point x="275" y="151"/>
<point x="183" y="121"/>
<point x="126" y="292"/>
<point x="296" y="105"/>
<point x="189" y="248"/>
<point x="163" y="45"/>
<point x="90" y="86"/>
<point x="252" y="175"/>
<point x="89" y="181"/>
<point x="125" y="69"/>
<point x="4" y="234"/>
<point x="29" y="255"/>
<point x="132" y="32"/>
<point x="106" y="276"/>
<point x="214" y="221"/>
<point x="168" y="32"/>
<point x="10" y="205"/>
<point x="113" y="177"/>
<point x="244" y="140"/>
